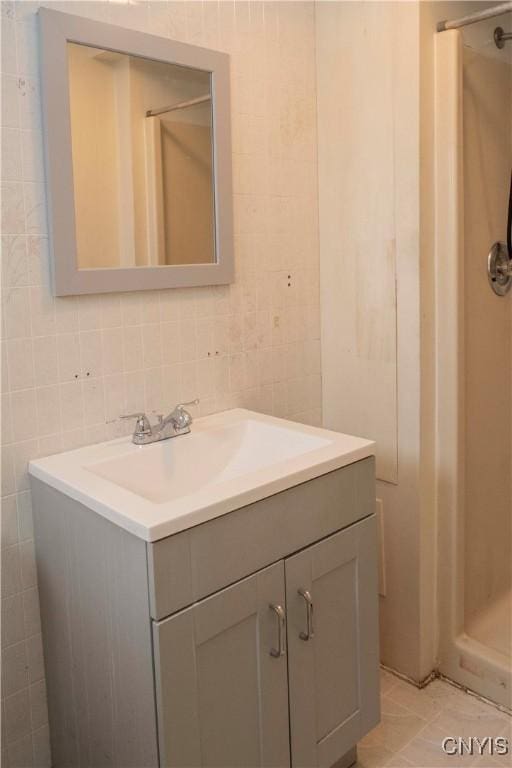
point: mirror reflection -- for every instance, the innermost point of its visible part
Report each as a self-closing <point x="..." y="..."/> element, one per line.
<point x="142" y="160"/>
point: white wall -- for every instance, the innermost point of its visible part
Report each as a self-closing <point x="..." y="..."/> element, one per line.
<point x="368" y="61"/>
<point x="72" y="364"/>
<point x="357" y="170"/>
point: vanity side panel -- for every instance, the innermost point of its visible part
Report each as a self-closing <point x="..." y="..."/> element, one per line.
<point x="192" y="565"/>
<point x="170" y="575"/>
<point x="365" y="489"/>
<point x="96" y="635"/>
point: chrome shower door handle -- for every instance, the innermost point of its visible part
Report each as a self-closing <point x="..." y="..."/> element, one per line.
<point x="281" y="634"/>
<point x="309" y="633"/>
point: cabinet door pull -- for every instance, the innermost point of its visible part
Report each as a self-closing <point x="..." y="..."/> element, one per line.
<point x="281" y="623"/>
<point x="309" y="633"/>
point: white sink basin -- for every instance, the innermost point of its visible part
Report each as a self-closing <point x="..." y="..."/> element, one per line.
<point x="175" y="468"/>
<point x="227" y="461"/>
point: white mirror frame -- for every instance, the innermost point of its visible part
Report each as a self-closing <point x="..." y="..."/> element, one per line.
<point x="56" y="30"/>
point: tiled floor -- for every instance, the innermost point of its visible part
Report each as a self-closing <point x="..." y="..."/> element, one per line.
<point x="415" y="722"/>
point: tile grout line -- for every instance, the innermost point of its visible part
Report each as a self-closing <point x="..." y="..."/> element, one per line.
<point x="499" y="707"/>
<point x="436" y="675"/>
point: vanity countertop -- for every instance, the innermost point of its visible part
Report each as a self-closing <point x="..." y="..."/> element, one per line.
<point x="228" y="460"/>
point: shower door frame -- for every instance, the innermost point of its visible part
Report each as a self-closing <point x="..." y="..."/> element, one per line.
<point x="461" y="658"/>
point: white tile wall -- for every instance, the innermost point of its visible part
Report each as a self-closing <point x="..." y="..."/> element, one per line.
<point x="70" y="366"/>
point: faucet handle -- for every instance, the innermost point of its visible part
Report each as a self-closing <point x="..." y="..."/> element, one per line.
<point x="142" y="426"/>
<point x="190" y="402"/>
<point x="181" y="417"/>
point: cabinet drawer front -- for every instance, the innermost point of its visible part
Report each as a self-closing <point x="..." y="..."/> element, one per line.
<point x="191" y="565"/>
<point x="222" y="698"/>
<point x="333" y="663"/>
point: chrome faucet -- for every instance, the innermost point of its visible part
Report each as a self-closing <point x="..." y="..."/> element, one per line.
<point x="176" y="423"/>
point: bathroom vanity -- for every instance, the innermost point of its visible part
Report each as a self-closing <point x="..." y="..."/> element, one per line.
<point x="210" y="600"/>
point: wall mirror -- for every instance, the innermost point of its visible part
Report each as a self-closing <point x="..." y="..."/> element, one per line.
<point x="138" y="158"/>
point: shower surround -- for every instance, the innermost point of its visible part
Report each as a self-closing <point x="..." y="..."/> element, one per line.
<point x="487" y="141"/>
<point x="474" y="154"/>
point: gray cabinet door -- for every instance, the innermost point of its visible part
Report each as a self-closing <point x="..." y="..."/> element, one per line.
<point x="333" y="664"/>
<point x="222" y="687"/>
